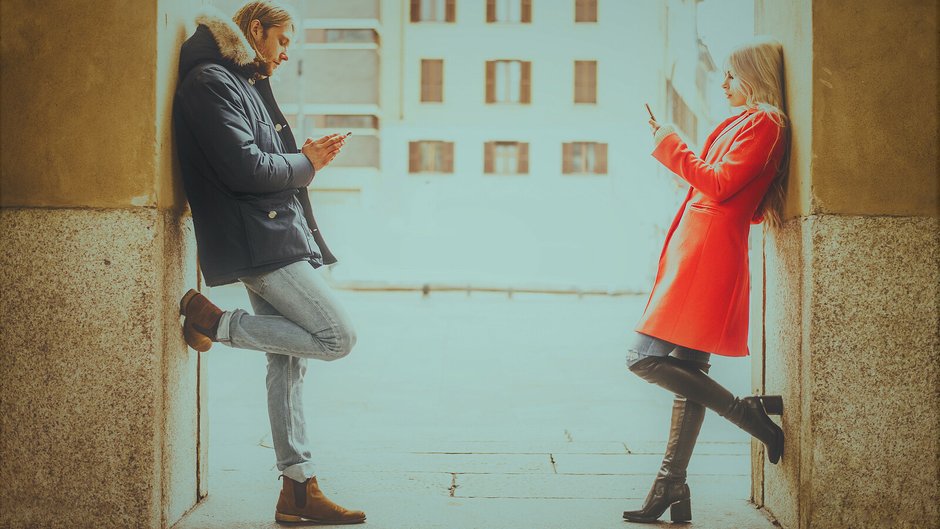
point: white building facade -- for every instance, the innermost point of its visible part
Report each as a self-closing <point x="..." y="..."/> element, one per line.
<point x="498" y="143"/>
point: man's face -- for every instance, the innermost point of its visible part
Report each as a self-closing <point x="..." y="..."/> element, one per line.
<point x="272" y="45"/>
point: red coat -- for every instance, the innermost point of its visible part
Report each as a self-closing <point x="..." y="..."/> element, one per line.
<point x="700" y="297"/>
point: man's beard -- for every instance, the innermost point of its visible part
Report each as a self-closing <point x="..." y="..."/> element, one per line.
<point x="263" y="67"/>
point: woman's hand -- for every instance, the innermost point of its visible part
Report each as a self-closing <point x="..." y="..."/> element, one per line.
<point x="654" y="125"/>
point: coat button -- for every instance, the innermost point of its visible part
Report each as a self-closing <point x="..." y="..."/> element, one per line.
<point x="278" y="127"/>
<point x="272" y="214"/>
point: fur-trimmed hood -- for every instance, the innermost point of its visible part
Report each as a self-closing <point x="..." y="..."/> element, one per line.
<point x="217" y="39"/>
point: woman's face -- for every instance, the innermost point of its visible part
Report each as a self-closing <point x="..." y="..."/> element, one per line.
<point x="732" y="88"/>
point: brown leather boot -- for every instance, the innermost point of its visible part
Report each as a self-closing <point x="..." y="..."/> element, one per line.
<point x="304" y="503"/>
<point x="201" y="320"/>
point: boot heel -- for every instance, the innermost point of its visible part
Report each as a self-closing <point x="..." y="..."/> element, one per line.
<point x="773" y="404"/>
<point x="681" y="511"/>
<point x="287" y="518"/>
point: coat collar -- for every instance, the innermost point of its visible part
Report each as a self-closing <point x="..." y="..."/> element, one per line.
<point x="231" y="41"/>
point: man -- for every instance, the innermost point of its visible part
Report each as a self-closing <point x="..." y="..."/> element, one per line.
<point x="246" y="183"/>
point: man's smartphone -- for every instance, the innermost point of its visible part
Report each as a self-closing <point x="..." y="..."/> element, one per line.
<point x="652" y="117"/>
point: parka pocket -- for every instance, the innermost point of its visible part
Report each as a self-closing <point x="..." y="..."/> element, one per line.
<point x="274" y="232"/>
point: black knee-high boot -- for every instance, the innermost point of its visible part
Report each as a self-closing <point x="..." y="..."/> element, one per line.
<point x="669" y="489"/>
<point x="749" y="413"/>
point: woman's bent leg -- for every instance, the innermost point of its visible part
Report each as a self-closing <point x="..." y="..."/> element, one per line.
<point x="693" y="384"/>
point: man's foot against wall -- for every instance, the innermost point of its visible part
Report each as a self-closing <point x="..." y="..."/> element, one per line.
<point x="200" y="320"/>
<point x="304" y="503"/>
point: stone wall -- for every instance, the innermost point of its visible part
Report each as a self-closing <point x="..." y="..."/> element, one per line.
<point x="851" y="288"/>
<point x="98" y="397"/>
<point x="94" y="370"/>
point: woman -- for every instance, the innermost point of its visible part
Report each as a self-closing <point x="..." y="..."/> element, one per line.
<point x="699" y="303"/>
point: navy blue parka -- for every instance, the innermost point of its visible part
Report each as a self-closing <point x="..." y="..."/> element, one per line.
<point x="244" y="177"/>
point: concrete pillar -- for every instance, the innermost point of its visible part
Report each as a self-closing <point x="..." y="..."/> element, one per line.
<point x="851" y="289"/>
<point x="98" y="392"/>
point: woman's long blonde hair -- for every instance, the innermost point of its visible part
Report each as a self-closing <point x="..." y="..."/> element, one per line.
<point x="757" y="68"/>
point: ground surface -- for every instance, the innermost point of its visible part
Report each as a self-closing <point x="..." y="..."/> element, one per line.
<point x="479" y="411"/>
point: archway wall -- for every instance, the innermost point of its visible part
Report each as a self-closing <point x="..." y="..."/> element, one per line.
<point x="98" y="397"/>
<point x="850" y="307"/>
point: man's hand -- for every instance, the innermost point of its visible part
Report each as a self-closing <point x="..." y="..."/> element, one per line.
<point x="321" y="152"/>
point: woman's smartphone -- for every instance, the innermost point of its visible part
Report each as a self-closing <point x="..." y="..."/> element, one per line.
<point x="652" y="117"/>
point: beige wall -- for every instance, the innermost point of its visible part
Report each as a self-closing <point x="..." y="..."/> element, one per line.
<point x="851" y="284"/>
<point x="98" y="394"/>
<point x="875" y="107"/>
<point x="871" y="109"/>
<point x="78" y="98"/>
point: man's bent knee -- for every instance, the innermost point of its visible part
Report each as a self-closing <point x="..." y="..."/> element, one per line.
<point x="344" y="339"/>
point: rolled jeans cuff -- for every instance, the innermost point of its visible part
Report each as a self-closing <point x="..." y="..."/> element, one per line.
<point x="300" y="472"/>
<point x="224" y="333"/>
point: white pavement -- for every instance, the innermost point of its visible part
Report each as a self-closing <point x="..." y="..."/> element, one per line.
<point x="479" y="411"/>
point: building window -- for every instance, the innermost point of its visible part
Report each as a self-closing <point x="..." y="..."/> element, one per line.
<point x="584" y="158"/>
<point x="681" y="114"/>
<point x="585" y="81"/>
<point x="509" y="11"/>
<point x="431" y="157"/>
<point x="433" y="10"/>
<point x="505" y="157"/>
<point x="585" y="10"/>
<point x="346" y="121"/>
<point x="346" y="36"/>
<point x="362" y="148"/>
<point x="317" y="125"/>
<point x="508" y="82"/>
<point x="432" y="80"/>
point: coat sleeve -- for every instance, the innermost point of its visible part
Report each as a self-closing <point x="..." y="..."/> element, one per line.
<point x="751" y="151"/>
<point x="221" y="127"/>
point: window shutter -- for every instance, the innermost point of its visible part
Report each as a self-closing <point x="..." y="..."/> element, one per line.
<point x="432" y="80"/>
<point x="585" y="81"/>
<point x="438" y="78"/>
<point x="592" y="82"/>
<point x="566" y="155"/>
<point x="416" y="10"/>
<point x="525" y="88"/>
<point x="414" y="157"/>
<point x="585" y="11"/>
<point x="600" y="158"/>
<point x="491" y="10"/>
<point x="578" y="83"/>
<point x="490" y="81"/>
<point x="450" y="12"/>
<point x="523" y="158"/>
<point x="488" y="153"/>
<point x="424" y="79"/>
<point x="526" y="11"/>
<point x="448" y="156"/>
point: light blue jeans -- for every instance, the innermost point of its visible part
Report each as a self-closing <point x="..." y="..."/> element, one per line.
<point x="645" y="346"/>
<point x="297" y="317"/>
